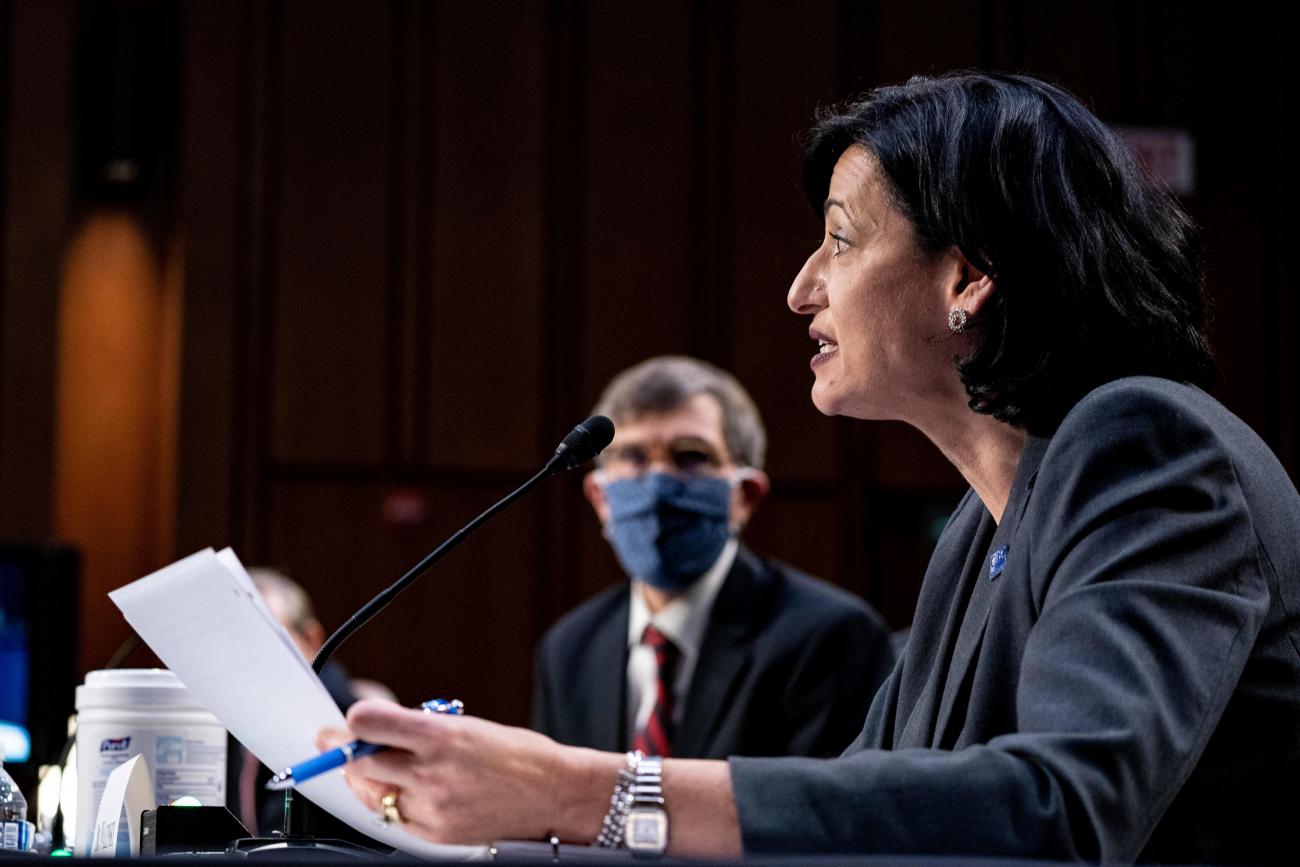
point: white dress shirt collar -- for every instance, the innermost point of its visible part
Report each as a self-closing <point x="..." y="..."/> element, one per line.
<point x="684" y="621"/>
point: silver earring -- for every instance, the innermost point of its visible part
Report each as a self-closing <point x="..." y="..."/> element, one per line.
<point x="957" y="319"/>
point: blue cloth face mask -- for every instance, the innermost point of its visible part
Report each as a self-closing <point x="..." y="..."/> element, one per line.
<point x="668" y="530"/>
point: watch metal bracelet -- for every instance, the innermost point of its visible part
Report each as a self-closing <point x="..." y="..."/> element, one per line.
<point x="620" y="804"/>
<point x="645" y="828"/>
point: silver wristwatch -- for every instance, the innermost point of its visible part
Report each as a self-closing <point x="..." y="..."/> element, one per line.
<point x="645" y="832"/>
<point x="611" y="827"/>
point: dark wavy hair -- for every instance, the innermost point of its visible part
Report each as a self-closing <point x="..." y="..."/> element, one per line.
<point x="1096" y="267"/>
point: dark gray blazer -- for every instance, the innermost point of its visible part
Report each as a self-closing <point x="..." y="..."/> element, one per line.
<point x="1127" y="688"/>
<point x="788" y="666"/>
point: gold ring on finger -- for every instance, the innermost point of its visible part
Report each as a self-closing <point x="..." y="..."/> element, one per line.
<point x="388" y="807"/>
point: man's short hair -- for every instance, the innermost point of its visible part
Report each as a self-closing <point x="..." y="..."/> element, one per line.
<point x="666" y="382"/>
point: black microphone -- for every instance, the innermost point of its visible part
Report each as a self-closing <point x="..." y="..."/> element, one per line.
<point x="582" y="444"/>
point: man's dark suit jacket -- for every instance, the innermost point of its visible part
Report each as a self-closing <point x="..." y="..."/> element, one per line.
<point x="787" y="666"/>
<point x="1128" y="687"/>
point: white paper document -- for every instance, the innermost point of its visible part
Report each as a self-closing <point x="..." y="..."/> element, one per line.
<point x="207" y="623"/>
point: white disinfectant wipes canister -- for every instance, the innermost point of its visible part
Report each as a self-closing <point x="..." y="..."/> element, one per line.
<point x="145" y="711"/>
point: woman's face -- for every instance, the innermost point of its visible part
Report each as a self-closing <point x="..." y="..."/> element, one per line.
<point x="878" y="302"/>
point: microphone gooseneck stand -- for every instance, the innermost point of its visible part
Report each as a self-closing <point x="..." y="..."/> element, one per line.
<point x="581" y="444"/>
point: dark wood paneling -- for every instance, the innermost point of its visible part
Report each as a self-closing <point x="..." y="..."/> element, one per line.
<point x="594" y="564"/>
<point x="775" y="227"/>
<point x="636" y="295"/>
<point x="413" y="194"/>
<point x="930" y="37"/>
<point x="464" y="630"/>
<point x="36" y="65"/>
<point x="213" y="141"/>
<point x="560" y="325"/>
<point x="711" y="179"/>
<point x="420" y="237"/>
<point x="484" y="393"/>
<point x="900" y="457"/>
<point x="899" y="529"/>
<point x="1085" y="48"/>
<point x="331" y="229"/>
<point x="1243" y="118"/>
<point x="115" y="422"/>
<point x="801" y="531"/>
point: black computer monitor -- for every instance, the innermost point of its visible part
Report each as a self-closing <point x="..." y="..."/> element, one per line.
<point x="38" y="653"/>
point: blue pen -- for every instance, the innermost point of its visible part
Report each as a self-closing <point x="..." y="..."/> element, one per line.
<point x="340" y="756"/>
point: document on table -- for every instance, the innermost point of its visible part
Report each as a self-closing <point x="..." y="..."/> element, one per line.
<point x="208" y="624"/>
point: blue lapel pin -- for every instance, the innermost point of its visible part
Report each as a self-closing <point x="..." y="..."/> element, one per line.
<point x="997" y="562"/>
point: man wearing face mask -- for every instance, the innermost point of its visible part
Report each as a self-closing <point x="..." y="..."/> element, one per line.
<point x="709" y="650"/>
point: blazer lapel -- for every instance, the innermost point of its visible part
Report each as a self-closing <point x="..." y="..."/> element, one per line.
<point x="606" y="707"/>
<point x="924" y="679"/>
<point x="985" y="590"/>
<point x="724" y="655"/>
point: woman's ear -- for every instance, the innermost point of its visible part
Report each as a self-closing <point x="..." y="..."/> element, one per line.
<point x="973" y="288"/>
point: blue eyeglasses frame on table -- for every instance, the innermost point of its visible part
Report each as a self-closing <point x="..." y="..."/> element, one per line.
<point x="339" y="756"/>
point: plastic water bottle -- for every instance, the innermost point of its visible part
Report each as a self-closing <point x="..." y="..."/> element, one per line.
<point x="15" y="830"/>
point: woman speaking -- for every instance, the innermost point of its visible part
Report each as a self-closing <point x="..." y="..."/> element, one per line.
<point x="1105" y="658"/>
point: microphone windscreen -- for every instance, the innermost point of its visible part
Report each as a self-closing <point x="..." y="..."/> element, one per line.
<point x="588" y="439"/>
<point x="581" y="445"/>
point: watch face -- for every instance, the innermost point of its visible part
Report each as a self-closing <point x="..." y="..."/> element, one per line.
<point x="646" y="831"/>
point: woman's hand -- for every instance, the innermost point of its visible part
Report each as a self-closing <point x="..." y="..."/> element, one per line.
<point x="461" y="779"/>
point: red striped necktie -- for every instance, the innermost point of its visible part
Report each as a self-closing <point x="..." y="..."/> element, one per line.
<point x="656" y="738"/>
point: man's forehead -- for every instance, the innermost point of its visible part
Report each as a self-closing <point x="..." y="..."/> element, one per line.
<point x="699" y="417"/>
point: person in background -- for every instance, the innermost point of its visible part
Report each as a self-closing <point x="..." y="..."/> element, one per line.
<point x="708" y="650"/>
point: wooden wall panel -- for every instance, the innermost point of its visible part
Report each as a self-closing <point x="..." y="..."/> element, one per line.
<point x="1272" y="137"/>
<point x="1243" y="119"/>
<point x="36" y="63"/>
<point x="215" y="227"/>
<point x="331" y="231"/>
<point x="776" y="228"/>
<point x="114" y="494"/>
<point x="899" y="529"/>
<point x="483" y="397"/>
<point x="637" y="300"/>
<point x="420" y="237"/>
<point x="927" y="37"/>
<point x="594" y="565"/>
<point x="802" y="531"/>
<point x="1090" y="49"/>
<point x="465" y="629"/>
<point x="901" y="458"/>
